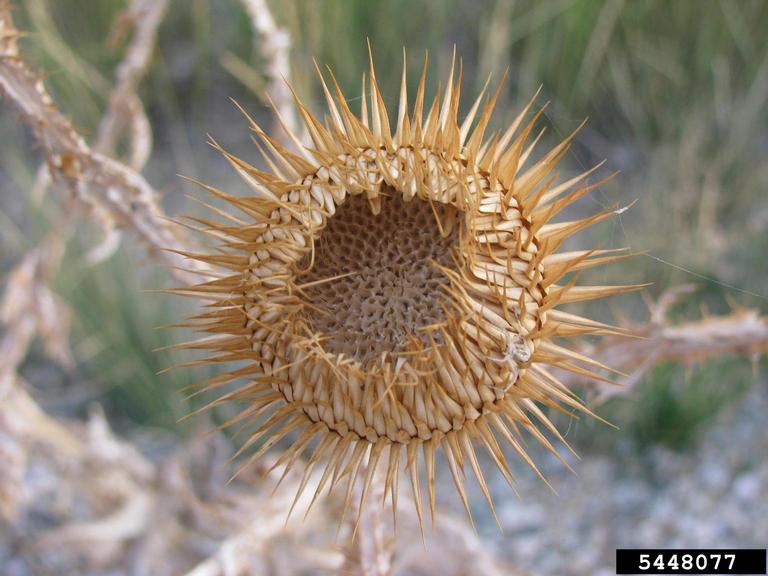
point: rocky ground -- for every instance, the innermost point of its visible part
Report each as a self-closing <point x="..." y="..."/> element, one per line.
<point x="713" y="495"/>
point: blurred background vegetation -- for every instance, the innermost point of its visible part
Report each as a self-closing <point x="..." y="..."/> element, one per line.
<point x="676" y="94"/>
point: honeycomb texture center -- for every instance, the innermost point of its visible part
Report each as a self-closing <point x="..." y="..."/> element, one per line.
<point x="393" y="288"/>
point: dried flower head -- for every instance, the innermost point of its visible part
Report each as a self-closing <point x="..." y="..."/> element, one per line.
<point x="393" y="292"/>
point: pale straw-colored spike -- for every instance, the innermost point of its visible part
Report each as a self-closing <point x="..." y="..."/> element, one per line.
<point x="300" y="148"/>
<point x="431" y="124"/>
<point x="556" y="330"/>
<point x="236" y="202"/>
<point x="212" y="231"/>
<point x="515" y="414"/>
<point x="214" y="209"/>
<point x="371" y="470"/>
<point x="547" y="423"/>
<point x="220" y="380"/>
<point x="363" y="104"/>
<point x="216" y="359"/>
<point x="279" y="171"/>
<point x="355" y="129"/>
<point x="586" y="373"/>
<point x="270" y="182"/>
<point x="551" y="210"/>
<point x="275" y="418"/>
<point x="494" y="449"/>
<point x="452" y="145"/>
<point x="518" y="448"/>
<point x="466" y="125"/>
<point x="323" y="140"/>
<point x="552" y="296"/>
<point x="570" y="318"/>
<point x="556" y="271"/>
<point x="429" y="452"/>
<point x="572" y="257"/>
<point x="452" y="452"/>
<point x="528" y="182"/>
<point x="484" y="158"/>
<point x="555" y="234"/>
<point x="258" y="187"/>
<point x="512" y="129"/>
<point x="229" y="261"/>
<point x="258" y="407"/>
<point x="291" y="162"/>
<point x="534" y="431"/>
<point x="207" y="343"/>
<point x="469" y="450"/>
<point x="565" y="186"/>
<point x="243" y="419"/>
<point x="333" y="463"/>
<point x="402" y="135"/>
<point x="582" y="293"/>
<point x="536" y="172"/>
<point x="551" y="382"/>
<point x="568" y="354"/>
<point x="355" y="457"/>
<point x="332" y="109"/>
<point x="412" y="465"/>
<point x="269" y="142"/>
<point x="353" y="469"/>
<point x="378" y="110"/>
<point x="392" y="478"/>
<point x="476" y="138"/>
<point x="328" y="442"/>
<point x="510" y="161"/>
<point x="445" y="109"/>
<point x="533" y="198"/>
<point x="288" y="427"/>
<point x="288" y="458"/>
<point x="418" y="106"/>
<point x="531" y="147"/>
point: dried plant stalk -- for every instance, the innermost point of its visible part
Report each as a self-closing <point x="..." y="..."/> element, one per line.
<point x="274" y="44"/>
<point x="115" y="194"/>
<point x="29" y="306"/>
<point x="125" y="108"/>
<point x="125" y="116"/>
<point x="743" y="331"/>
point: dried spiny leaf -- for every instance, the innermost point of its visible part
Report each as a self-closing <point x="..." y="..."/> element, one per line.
<point x="397" y="290"/>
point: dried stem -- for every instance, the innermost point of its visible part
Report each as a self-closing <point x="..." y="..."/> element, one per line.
<point x="743" y="331"/>
<point x="29" y="308"/>
<point x="369" y="550"/>
<point x="125" y="108"/>
<point x="117" y="196"/>
<point x="274" y="43"/>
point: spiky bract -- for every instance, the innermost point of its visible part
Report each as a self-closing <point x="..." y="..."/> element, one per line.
<point x="449" y="341"/>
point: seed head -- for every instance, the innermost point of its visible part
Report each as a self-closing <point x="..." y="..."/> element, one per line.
<point x="393" y="292"/>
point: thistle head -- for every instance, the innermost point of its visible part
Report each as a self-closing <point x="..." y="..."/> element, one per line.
<point x="392" y="289"/>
